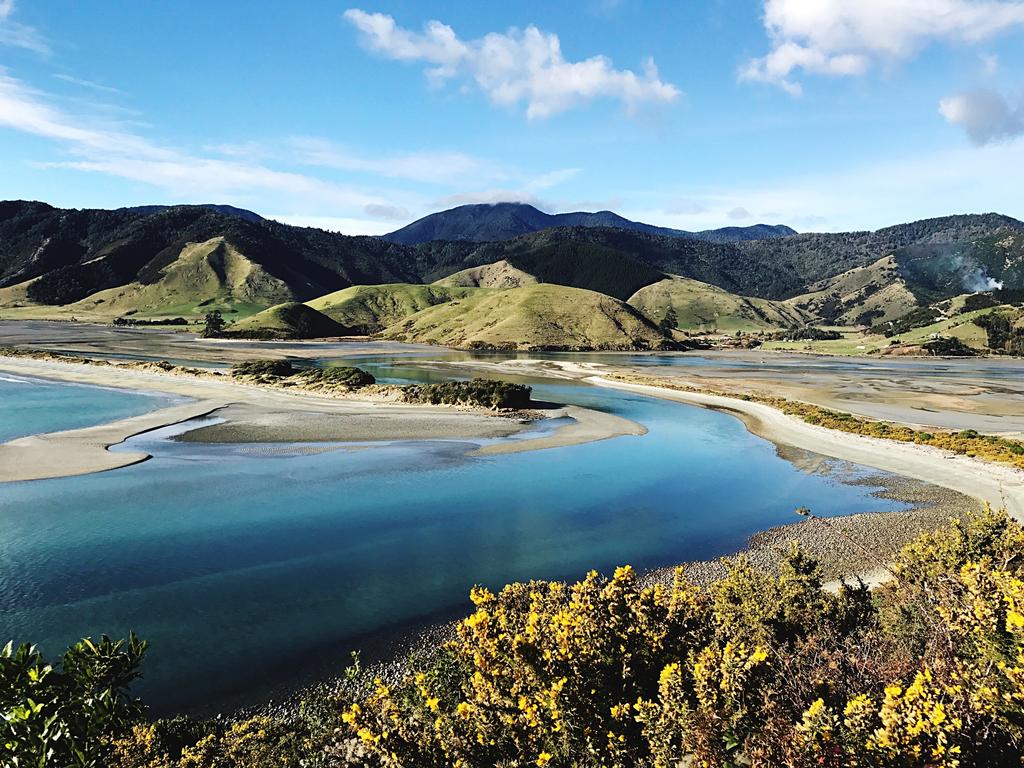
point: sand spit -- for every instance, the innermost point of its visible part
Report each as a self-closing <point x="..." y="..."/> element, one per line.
<point x="84" y="451"/>
<point x="1001" y="486"/>
<point x="257" y="414"/>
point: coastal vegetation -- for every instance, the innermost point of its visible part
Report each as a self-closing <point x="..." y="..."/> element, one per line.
<point x="1004" y="333"/>
<point x="966" y="442"/>
<point x="489" y="393"/>
<point x="761" y="669"/>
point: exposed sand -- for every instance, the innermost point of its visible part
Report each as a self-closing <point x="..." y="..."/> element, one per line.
<point x="588" y="426"/>
<point x="1002" y="486"/>
<point x="259" y="414"/>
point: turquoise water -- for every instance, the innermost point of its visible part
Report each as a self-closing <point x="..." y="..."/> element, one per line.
<point x="247" y="566"/>
<point x="30" y="406"/>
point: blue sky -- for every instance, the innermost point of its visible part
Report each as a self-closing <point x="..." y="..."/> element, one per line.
<point x="822" y="114"/>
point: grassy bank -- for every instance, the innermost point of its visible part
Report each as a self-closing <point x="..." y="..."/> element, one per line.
<point x="964" y="442"/>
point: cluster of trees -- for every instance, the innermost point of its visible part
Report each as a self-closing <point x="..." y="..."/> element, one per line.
<point x="275" y="369"/>
<point x="806" y="333"/>
<point x="1002" y="334"/>
<point x="926" y="671"/>
<point x="488" y="393"/>
<point x="271" y="370"/>
<point x="131" y="321"/>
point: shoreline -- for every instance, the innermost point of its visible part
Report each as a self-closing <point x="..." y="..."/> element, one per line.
<point x="256" y="413"/>
<point x="385" y="653"/>
<point x="1001" y="486"/>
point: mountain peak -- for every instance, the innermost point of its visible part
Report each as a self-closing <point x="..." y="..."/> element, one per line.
<point x="489" y="222"/>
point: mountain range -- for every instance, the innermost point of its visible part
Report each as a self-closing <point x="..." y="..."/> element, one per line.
<point x="487" y="222"/>
<point x="579" y="287"/>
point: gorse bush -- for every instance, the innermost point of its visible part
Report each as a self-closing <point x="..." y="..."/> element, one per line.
<point x="756" y="669"/>
<point x="488" y="393"/>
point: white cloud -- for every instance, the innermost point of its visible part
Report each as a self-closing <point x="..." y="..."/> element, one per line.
<point x="490" y="196"/>
<point x="393" y="212"/>
<point x="686" y="208"/>
<point x="984" y="115"/>
<point x="552" y="179"/>
<point x="19" y="35"/>
<point x="431" y="167"/>
<point x="845" y="37"/>
<point x="989" y="63"/>
<point x="739" y="214"/>
<point x="519" y="66"/>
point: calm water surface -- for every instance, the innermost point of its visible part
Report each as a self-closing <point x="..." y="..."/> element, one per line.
<point x="250" y="565"/>
<point x="29" y="406"/>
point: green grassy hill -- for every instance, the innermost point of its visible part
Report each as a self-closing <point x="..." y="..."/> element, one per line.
<point x="290" y="320"/>
<point x="370" y="308"/>
<point x="533" y="317"/>
<point x="867" y="295"/>
<point x="500" y="274"/>
<point x="684" y="304"/>
<point x="200" y="278"/>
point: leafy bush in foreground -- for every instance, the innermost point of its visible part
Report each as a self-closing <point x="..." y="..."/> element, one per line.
<point x="65" y="717"/>
<point x="488" y="393"/>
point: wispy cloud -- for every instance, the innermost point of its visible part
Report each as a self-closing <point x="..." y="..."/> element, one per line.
<point x="87" y="84"/>
<point x="552" y="179"/>
<point x="431" y="167"/>
<point x="512" y="68"/>
<point x="838" y="38"/>
<point x="491" y="196"/>
<point x="19" y="35"/>
<point x="112" y="149"/>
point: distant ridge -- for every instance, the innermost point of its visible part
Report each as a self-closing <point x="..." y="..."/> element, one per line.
<point x="489" y="222"/>
<point x="227" y="210"/>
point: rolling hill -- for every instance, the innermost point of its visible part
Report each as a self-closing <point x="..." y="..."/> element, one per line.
<point x="370" y="308"/>
<point x="290" y="320"/>
<point x="685" y="304"/>
<point x="486" y="222"/>
<point x="534" y="317"/>
<point x="157" y="262"/>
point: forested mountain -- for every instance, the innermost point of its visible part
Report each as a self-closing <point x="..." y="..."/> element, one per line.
<point x="487" y="222"/>
<point x="188" y="260"/>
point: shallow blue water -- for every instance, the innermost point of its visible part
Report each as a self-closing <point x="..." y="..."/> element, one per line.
<point x="287" y="558"/>
<point x="30" y="406"/>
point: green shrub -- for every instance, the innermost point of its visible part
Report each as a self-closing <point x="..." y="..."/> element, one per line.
<point x="268" y="368"/>
<point x="353" y="378"/>
<point x="488" y="393"/>
<point x="67" y="716"/>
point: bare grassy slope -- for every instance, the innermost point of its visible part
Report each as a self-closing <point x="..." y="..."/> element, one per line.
<point x="532" y="317"/>
<point x="695" y="306"/>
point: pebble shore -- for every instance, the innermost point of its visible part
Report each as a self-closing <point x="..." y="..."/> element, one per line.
<point x="844" y="546"/>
